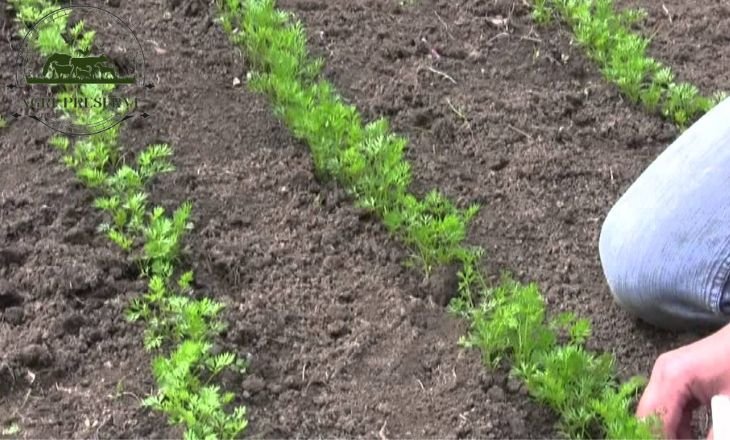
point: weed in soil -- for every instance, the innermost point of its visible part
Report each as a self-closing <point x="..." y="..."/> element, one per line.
<point x="507" y="322"/>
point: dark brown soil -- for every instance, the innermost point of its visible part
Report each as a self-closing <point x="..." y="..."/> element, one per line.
<point x="527" y="128"/>
<point x="343" y="340"/>
<point x="692" y="38"/>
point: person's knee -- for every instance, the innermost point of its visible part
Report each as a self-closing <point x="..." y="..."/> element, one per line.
<point x="617" y="259"/>
<point x="620" y="257"/>
<point x="663" y="244"/>
<point x="628" y="248"/>
<point x="632" y="253"/>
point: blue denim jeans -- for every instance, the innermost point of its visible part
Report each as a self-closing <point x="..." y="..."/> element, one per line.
<point x="665" y="245"/>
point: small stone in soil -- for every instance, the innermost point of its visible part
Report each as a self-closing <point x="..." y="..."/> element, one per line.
<point x="292" y="382"/>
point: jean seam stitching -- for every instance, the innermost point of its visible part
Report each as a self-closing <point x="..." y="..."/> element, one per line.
<point x="719" y="281"/>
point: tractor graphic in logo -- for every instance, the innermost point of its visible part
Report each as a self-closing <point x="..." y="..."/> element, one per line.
<point x="65" y="69"/>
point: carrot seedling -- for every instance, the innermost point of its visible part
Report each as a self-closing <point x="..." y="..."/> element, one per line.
<point x="180" y="330"/>
<point x="622" y="57"/>
<point x="507" y="322"/>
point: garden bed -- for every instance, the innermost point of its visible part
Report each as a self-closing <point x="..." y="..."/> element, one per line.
<point x="690" y="37"/>
<point x="343" y="340"/>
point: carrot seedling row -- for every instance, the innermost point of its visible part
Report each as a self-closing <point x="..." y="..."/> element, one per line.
<point x="621" y="55"/>
<point x="180" y="330"/>
<point x="508" y="322"/>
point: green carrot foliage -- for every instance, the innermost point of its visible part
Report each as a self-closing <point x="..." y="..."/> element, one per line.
<point x="509" y="322"/>
<point x="621" y="54"/>
<point x="367" y="159"/>
<point x="180" y="330"/>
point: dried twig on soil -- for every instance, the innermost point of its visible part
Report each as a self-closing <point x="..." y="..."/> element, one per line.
<point x="499" y="35"/>
<point x="667" y="13"/>
<point x="446" y="26"/>
<point x="517" y="130"/>
<point x="443" y="74"/>
<point x="381" y="433"/>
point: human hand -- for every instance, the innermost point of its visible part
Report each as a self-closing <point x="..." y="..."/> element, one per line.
<point x="685" y="379"/>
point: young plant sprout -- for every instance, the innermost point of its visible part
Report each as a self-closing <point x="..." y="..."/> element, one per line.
<point x="621" y="55"/>
<point x="180" y="330"/>
<point x="508" y="322"/>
